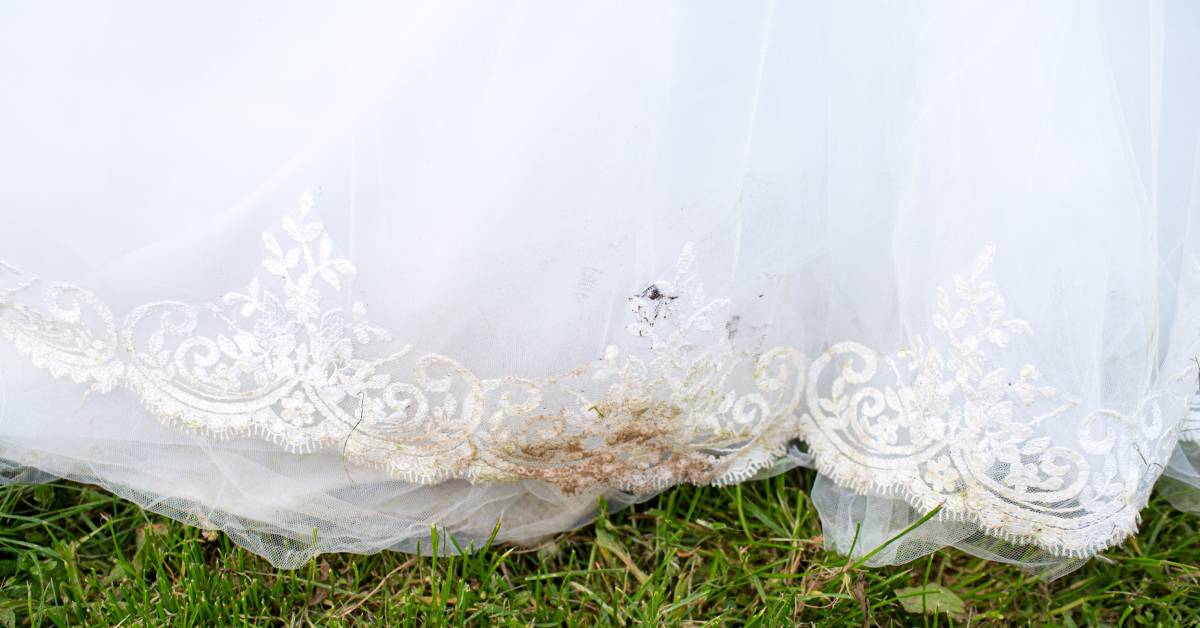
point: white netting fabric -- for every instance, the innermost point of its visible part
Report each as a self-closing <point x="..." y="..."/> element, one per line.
<point x="950" y="257"/>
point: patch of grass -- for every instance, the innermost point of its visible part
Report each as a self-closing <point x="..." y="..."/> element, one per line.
<point x="72" y="554"/>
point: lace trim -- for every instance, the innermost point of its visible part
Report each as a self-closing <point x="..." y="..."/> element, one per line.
<point x="951" y="425"/>
<point x="943" y="422"/>
<point x="285" y="360"/>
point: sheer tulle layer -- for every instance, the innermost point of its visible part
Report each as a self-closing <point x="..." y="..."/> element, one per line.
<point x="950" y="258"/>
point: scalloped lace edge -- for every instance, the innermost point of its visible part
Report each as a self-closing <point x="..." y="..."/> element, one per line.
<point x="944" y="422"/>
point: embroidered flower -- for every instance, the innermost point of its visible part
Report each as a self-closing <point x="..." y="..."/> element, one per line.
<point x="304" y="304"/>
<point x="886" y="429"/>
<point x="295" y="409"/>
<point x="929" y="429"/>
<point x="941" y="475"/>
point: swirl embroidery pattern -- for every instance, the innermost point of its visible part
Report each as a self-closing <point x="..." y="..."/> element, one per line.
<point x="285" y="360"/>
<point x="952" y="425"/>
<point x="294" y="359"/>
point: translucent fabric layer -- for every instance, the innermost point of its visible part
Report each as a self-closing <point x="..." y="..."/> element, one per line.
<point x="329" y="276"/>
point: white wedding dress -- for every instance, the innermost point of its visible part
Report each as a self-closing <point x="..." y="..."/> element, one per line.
<point x="325" y="275"/>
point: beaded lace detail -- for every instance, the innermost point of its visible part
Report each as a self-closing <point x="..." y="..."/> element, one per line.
<point x="949" y="422"/>
<point x="292" y="358"/>
<point x="287" y="359"/>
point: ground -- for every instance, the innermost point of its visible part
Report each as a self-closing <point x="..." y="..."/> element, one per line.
<point x="72" y="554"/>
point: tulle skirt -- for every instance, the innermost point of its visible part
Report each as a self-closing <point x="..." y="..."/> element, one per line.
<point x="327" y="277"/>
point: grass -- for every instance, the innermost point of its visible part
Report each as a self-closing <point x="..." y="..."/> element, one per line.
<point x="72" y="554"/>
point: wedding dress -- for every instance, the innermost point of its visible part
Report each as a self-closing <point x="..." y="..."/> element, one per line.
<point x="325" y="276"/>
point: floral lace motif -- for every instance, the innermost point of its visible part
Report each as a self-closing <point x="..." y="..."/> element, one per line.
<point x="951" y="424"/>
<point x="286" y="360"/>
<point x="292" y="358"/>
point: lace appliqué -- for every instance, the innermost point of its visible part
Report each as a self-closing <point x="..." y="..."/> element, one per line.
<point x="948" y="422"/>
<point x="289" y="359"/>
<point x="293" y="358"/>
